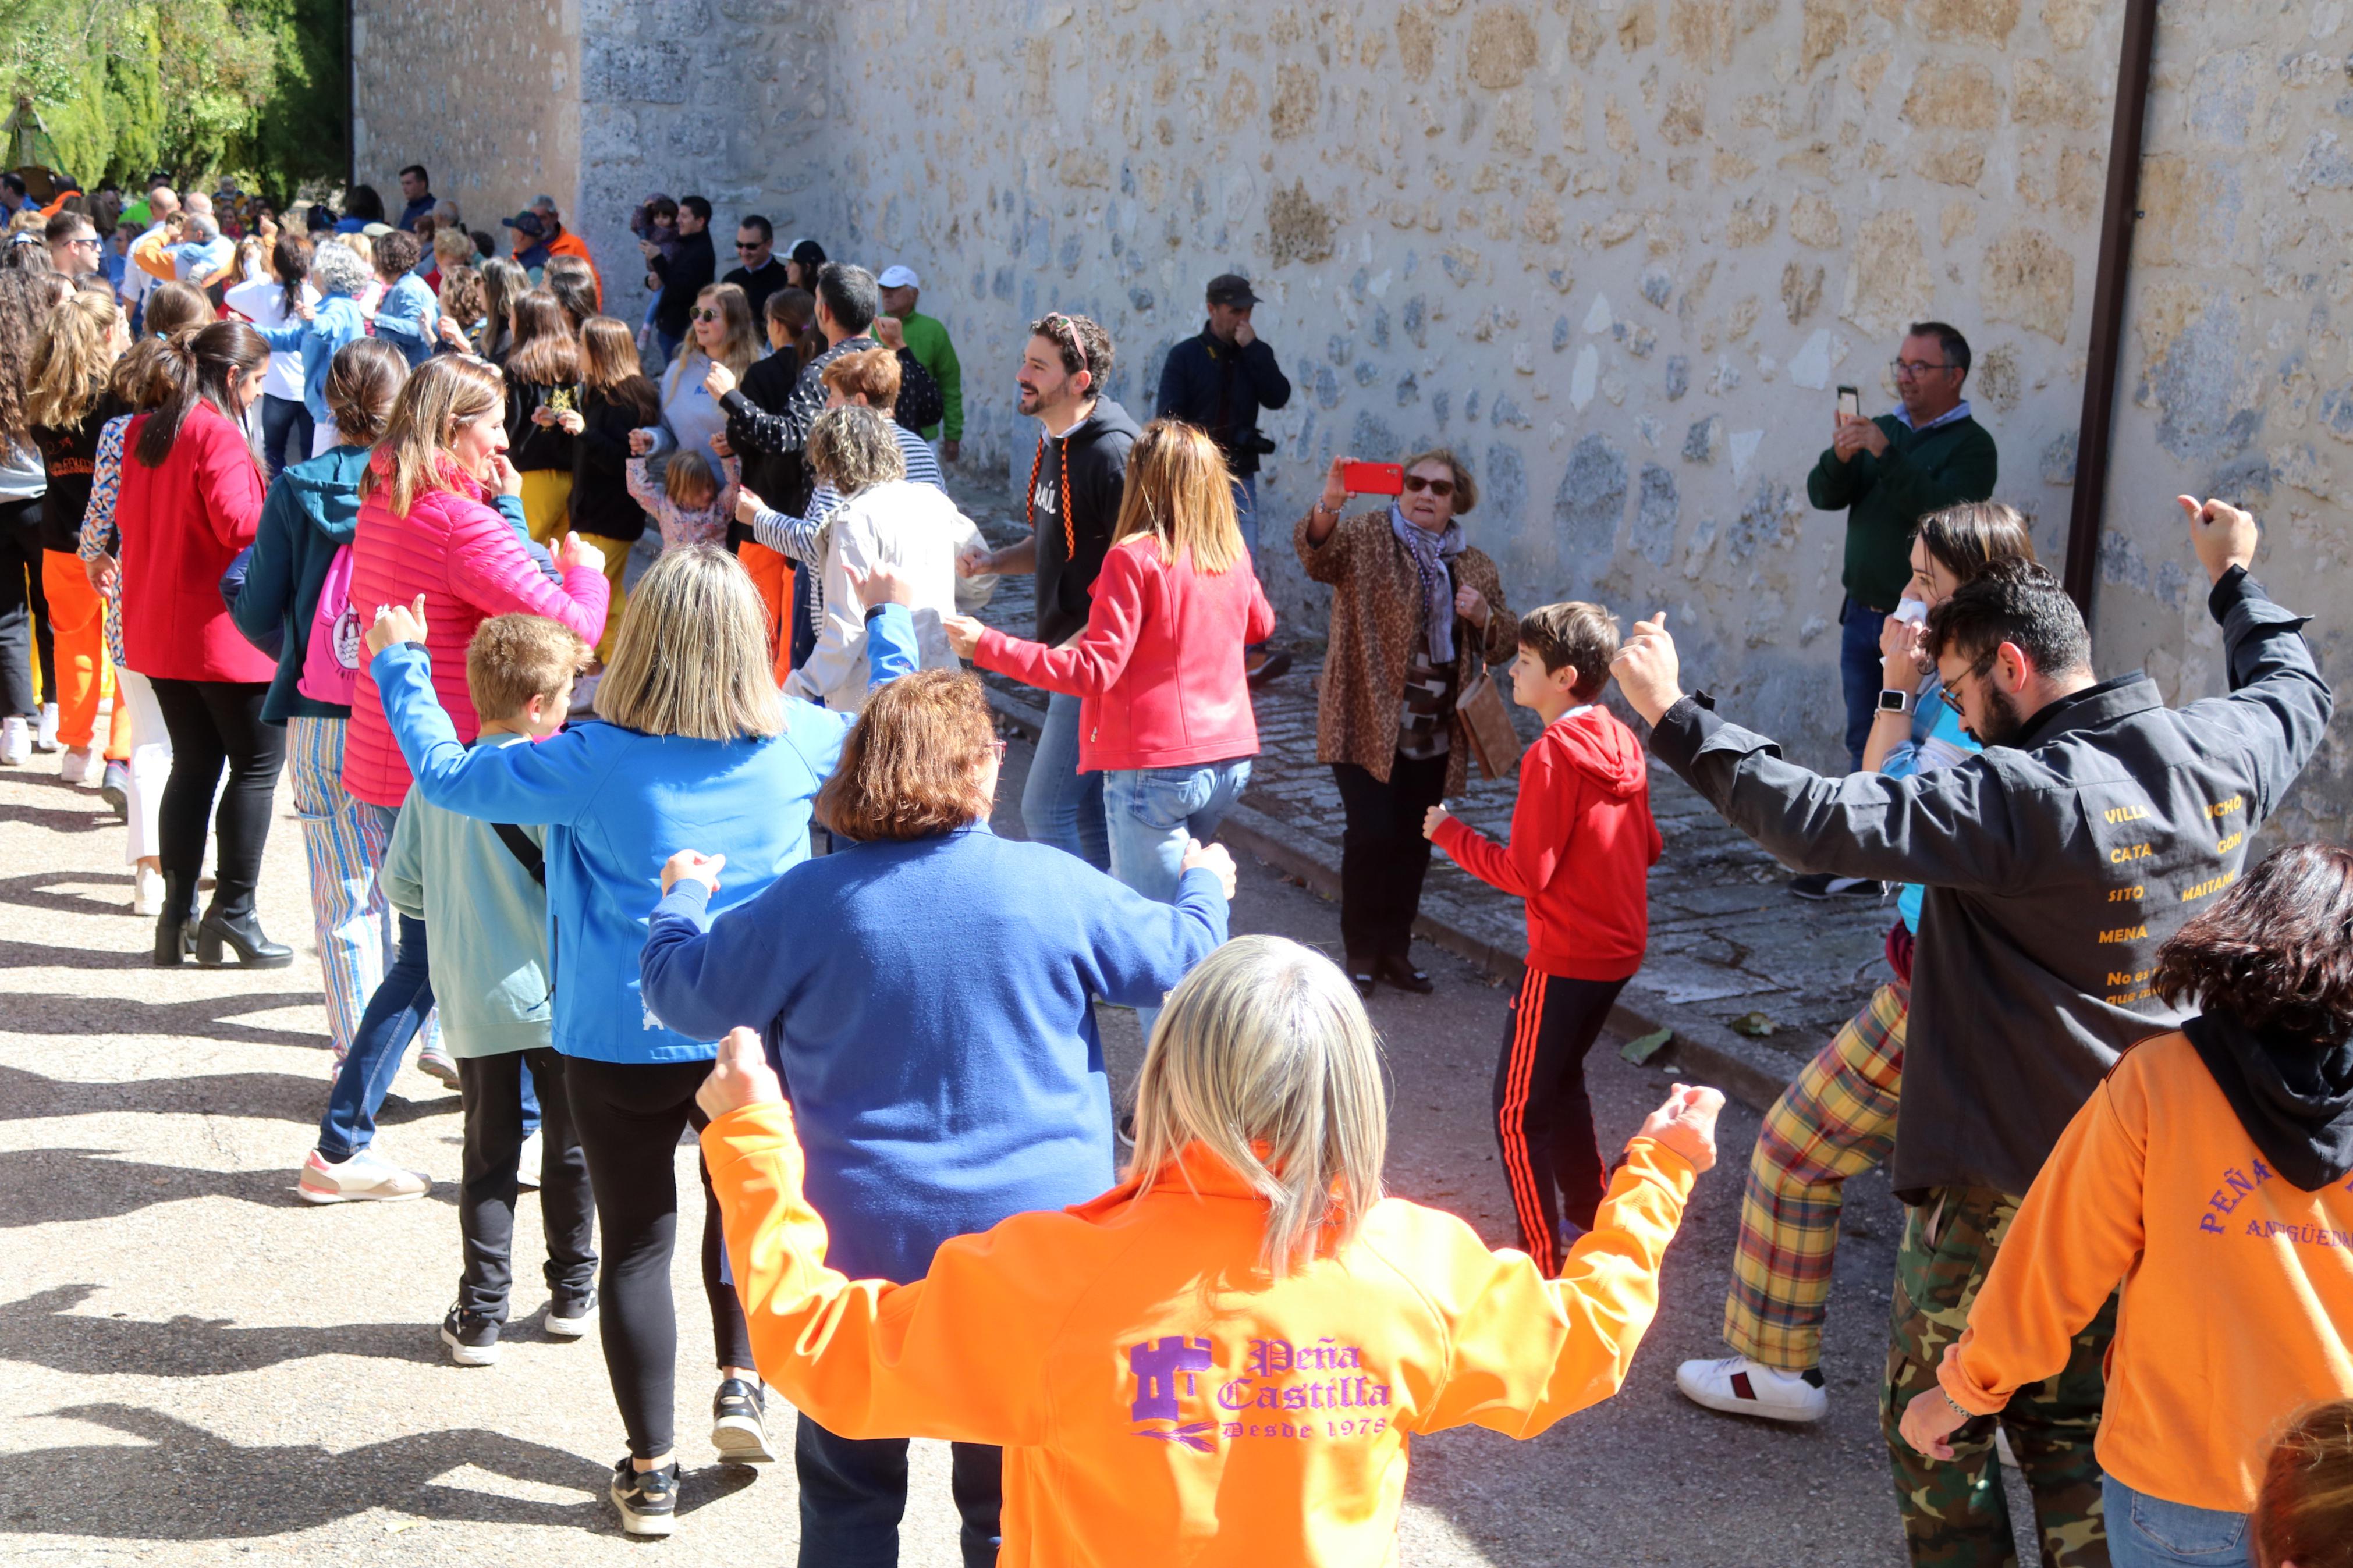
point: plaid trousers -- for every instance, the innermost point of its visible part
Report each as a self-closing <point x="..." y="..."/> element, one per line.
<point x="1838" y="1119"/>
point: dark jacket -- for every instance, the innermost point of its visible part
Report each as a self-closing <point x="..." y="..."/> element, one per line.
<point x="532" y="447"/>
<point x="311" y="511"/>
<point x="683" y="276"/>
<point x="758" y="285"/>
<point x="779" y="478"/>
<point x="1210" y="383"/>
<point x="1887" y="496"/>
<point x="600" y="502"/>
<point x="2054" y="868"/>
<point x="1070" y="552"/>
<point x="69" y="457"/>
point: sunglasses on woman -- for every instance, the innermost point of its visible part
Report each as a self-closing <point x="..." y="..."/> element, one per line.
<point x="704" y="315"/>
<point x="1441" y="488"/>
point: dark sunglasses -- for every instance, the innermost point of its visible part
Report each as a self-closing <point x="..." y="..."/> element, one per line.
<point x="1441" y="488"/>
<point x="750" y="244"/>
<point x="1951" y="698"/>
<point x="704" y="313"/>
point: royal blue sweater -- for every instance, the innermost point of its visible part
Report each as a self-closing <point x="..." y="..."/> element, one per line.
<point x="930" y="1005"/>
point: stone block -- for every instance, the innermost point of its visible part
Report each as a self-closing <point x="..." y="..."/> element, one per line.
<point x="1638" y="28"/>
<point x="1297" y="95"/>
<point x="1502" y="47"/>
<point x="1299" y="227"/>
<point x="1750" y="222"/>
<point x="2029" y="277"/>
<point x="1958" y="163"/>
<point x="1686" y="120"/>
<point x="1813" y="221"/>
<point x="634" y="73"/>
<point x="1589" y="504"/>
<point x="2069" y="22"/>
<point x="1960" y="96"/>
<point x="1802" y="290"/>
<point x="1889" y="283"/>
<point x="1416" y="44"/>
<point x="1824" y="29"/>
<point x="2041" y="96"/>
<point x="1701" y="31"/>
<point x="1703" y="442"/>
<point x="1974" y="21"/>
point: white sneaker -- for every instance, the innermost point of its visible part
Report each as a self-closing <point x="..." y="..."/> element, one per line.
<point x="146" y="891"/>
<point x="365" y="1177"/>
<point x="46" y="738"/>
<point x="435" y="1063"/>
<point x="1741" y="1387"/>
<point x="571" y="1319"/>
<point x="527" y="1162"/>
<point x="82" y="764"/>
<point x="16" y="741"/>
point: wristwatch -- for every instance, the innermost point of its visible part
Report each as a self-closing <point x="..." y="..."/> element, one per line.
<point x="1894" y="701"/>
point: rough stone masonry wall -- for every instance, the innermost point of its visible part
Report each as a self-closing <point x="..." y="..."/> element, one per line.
<point x="1616" y="252"/>
<point x="486" y="97"/>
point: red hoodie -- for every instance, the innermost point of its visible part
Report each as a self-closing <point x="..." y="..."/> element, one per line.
<point x="1582" y="847"/>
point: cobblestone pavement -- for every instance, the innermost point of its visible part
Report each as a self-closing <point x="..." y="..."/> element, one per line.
<point x="1728" y="943"/>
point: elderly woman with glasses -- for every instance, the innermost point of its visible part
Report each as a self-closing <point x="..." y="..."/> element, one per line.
<point x="1416" y="614"/>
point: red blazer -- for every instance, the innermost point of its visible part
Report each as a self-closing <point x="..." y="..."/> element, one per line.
<point x="182" y="524"/>
<point x="1158" y="671"/>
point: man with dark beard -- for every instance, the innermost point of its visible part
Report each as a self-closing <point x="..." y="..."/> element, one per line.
<point x="2097" y="821"/>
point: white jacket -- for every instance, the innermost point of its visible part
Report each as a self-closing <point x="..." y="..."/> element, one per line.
<point x="910" y="526"/>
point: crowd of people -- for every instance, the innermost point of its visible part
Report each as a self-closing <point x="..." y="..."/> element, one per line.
<point x="621" y="669"/>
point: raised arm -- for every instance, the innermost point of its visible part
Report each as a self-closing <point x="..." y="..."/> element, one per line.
<point x="800" y="538"/>
<point x="1540" y="824"/>
<point x="489" y="568"/>
<point x="1092" y="665"/>
<point x="549" y="783"/>
<point x="703" y="976"/>
<point x="1142" y="948"/>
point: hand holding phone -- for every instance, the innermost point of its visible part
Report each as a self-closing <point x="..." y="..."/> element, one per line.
<point x="1849" y="403"/>
<point x="1373" y="478"/>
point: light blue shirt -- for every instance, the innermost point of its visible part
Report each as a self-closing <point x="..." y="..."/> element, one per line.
<point x="1939" y="743"/>
<point x="1959" y="411"/>
<point x="407" y="318"/>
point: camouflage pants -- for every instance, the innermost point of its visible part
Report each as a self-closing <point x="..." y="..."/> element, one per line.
<point x="1955" y="1515"/>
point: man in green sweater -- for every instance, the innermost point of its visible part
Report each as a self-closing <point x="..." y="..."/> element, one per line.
<point x="1888" y="474"/>
<point x="927" y="339"/>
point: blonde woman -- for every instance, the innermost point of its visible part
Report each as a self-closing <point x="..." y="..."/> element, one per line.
<point x="1230" y="1351"/>
<point x="696" y="745"/>
<point x="916" y="871"/>
<point x="720" y="331"/>
<point x="67" y="403"/>
<point x="1164" y="692"/>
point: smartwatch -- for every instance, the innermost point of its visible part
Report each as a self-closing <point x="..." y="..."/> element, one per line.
<point x="1892" y="701"/>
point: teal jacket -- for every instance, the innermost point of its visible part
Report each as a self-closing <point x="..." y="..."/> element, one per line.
<point x="485" y="922"/>
<point x="1885" y="498"/>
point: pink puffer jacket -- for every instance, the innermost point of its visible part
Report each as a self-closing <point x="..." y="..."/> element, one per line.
<point x="470" y="564"/>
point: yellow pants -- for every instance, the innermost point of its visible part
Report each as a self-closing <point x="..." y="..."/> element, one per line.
<point x="617" y="557"/>
<point x="546" y="502"/>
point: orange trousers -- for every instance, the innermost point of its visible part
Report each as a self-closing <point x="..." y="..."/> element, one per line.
<point x="78" y="622"/>
<point x="772" y="574"/>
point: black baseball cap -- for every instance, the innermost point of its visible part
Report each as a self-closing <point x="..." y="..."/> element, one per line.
<point x="525" y="222"/>
<point x="1230" y="289"/>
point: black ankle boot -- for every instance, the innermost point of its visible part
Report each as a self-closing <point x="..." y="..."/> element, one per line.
<point x="175" y="928"/>
<point x="242" y="933"/>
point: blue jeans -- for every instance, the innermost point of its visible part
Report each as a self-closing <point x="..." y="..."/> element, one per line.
<point x="669" y="345"/>
<point x="1059" y="805"/>
<point x="1246" y="516"/>
<point x="286" y="432"/>
<point x="853" y="1492"/>
<point x="1862" y="672"/>
<point x="2144" y="1531"/>
<point x="393" y="1015"/>
<point x="1151" y="813"/>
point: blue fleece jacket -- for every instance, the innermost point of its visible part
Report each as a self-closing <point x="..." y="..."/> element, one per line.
<point x="336" y="320"/>
<point x="931" y="1005"/>
<point x="618" y="803"/>
<point x="408" y="317"/>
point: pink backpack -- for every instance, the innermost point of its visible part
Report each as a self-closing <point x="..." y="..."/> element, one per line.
<point x="331" y="663"/>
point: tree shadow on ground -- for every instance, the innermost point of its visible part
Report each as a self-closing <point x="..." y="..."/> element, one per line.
<point x="61" y="818"/>
<point x="50" y="1186"/>
<point x="45" y="1329"/>
<point x="202" y="1018"/>
<point x="187" y="1484"/>
<point x="32" y="892"/>
<point x="269" y="1095"/>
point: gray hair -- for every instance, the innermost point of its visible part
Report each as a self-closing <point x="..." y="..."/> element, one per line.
<point x="200" y="229"/>
<point x="1264" y="1055"/>
<point x="336" y="270"/>
<point x="445" y="215"/>
<point x="852" y="449"/>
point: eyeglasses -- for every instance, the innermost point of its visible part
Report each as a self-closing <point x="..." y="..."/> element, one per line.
<point x="1951" y="698"/>
<point x="1907" y="368"/>
<point x="704" y="313"/>
<point x="750" y="244"/>
<point x="1441" y="488"/>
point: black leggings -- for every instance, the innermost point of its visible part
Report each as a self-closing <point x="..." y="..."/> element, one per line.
<point x="1383" y="853"/>
<point x="212" y="723"/>
<point x="628" y="1117"/>
<point x="24" y="610"/>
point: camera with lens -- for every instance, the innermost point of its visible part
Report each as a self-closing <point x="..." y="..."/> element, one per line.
<point x="1255" y="442"/>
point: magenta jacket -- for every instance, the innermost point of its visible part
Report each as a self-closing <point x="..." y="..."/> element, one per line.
<point x="469" y="564"/>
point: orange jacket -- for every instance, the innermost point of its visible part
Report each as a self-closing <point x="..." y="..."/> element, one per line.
<point x="1149" y="1385"/>
<point x="570" y="243"/>
<point x="2238" y="1288"/>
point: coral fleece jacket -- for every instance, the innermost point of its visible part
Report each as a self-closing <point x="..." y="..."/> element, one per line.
<point x="1155" y="1393"/>
<point x="2238" y="1286"/>
<point x="1582" y="847"/>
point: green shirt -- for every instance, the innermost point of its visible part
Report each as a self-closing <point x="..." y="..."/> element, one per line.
<point x="485" y="924"/>
<point x="927" y="339"/>
<point x="1887" y="496"/>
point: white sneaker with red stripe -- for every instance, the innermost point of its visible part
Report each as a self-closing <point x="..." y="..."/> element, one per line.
<point x="1741" y="1387"/>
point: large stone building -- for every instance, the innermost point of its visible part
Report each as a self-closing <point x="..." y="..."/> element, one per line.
<point x="1617" y="252"/>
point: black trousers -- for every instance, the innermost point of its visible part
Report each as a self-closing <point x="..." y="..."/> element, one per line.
<point x="853" y="1492"/>
<point x="1383" y="856"/>
<point x="213" y="723"/>
<point x="23" y="611"/>
<point x="1543" y="1116"/>
<point x="492" y="1088"/>
<point x="629" y="1117"/>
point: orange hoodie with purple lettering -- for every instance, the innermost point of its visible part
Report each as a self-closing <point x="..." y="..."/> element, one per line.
<point x="1150" y="1383"/>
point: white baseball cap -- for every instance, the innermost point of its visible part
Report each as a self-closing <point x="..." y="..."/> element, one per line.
<point x="898" y="278"/>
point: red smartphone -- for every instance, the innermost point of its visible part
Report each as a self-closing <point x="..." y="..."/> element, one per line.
<point x="1373" y="479"/>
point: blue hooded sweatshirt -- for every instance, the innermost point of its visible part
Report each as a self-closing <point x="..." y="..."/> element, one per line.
<point x="617" y="803"/>
<point x="336" y="320"/>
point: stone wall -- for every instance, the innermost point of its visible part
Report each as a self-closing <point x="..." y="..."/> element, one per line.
<point x="1617" y="252"/>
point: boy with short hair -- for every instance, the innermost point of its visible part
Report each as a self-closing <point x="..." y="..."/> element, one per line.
<point x="1582" y="847"/>
<point x="479" y="889"/>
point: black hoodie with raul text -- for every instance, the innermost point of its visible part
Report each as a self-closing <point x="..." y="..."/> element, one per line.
<point x="1093" y="454"/>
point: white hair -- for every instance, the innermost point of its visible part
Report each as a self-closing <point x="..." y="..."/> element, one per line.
<point x="336" y="270"/>
<point x="445" y="215"/>
<point x="1264" y="1055"/>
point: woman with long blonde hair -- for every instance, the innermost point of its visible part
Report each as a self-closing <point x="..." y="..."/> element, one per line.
<point x="1227" y="1354"/>
<point x="719" y="332"/>
<point x="696" y="745"/>
<point x="1163" y="694"/>
<point x="67" y="402"/>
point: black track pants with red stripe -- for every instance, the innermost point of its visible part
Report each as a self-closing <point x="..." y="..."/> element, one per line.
<point x="1544" y="1118"/>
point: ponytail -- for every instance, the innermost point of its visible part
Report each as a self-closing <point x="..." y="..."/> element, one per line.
<point x="200" y="366"/>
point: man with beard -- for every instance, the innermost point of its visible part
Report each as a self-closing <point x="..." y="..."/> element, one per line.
<point x="2097" y="821"/>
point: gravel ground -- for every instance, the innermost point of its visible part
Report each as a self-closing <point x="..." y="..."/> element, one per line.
<point x="196" y="1368"/>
